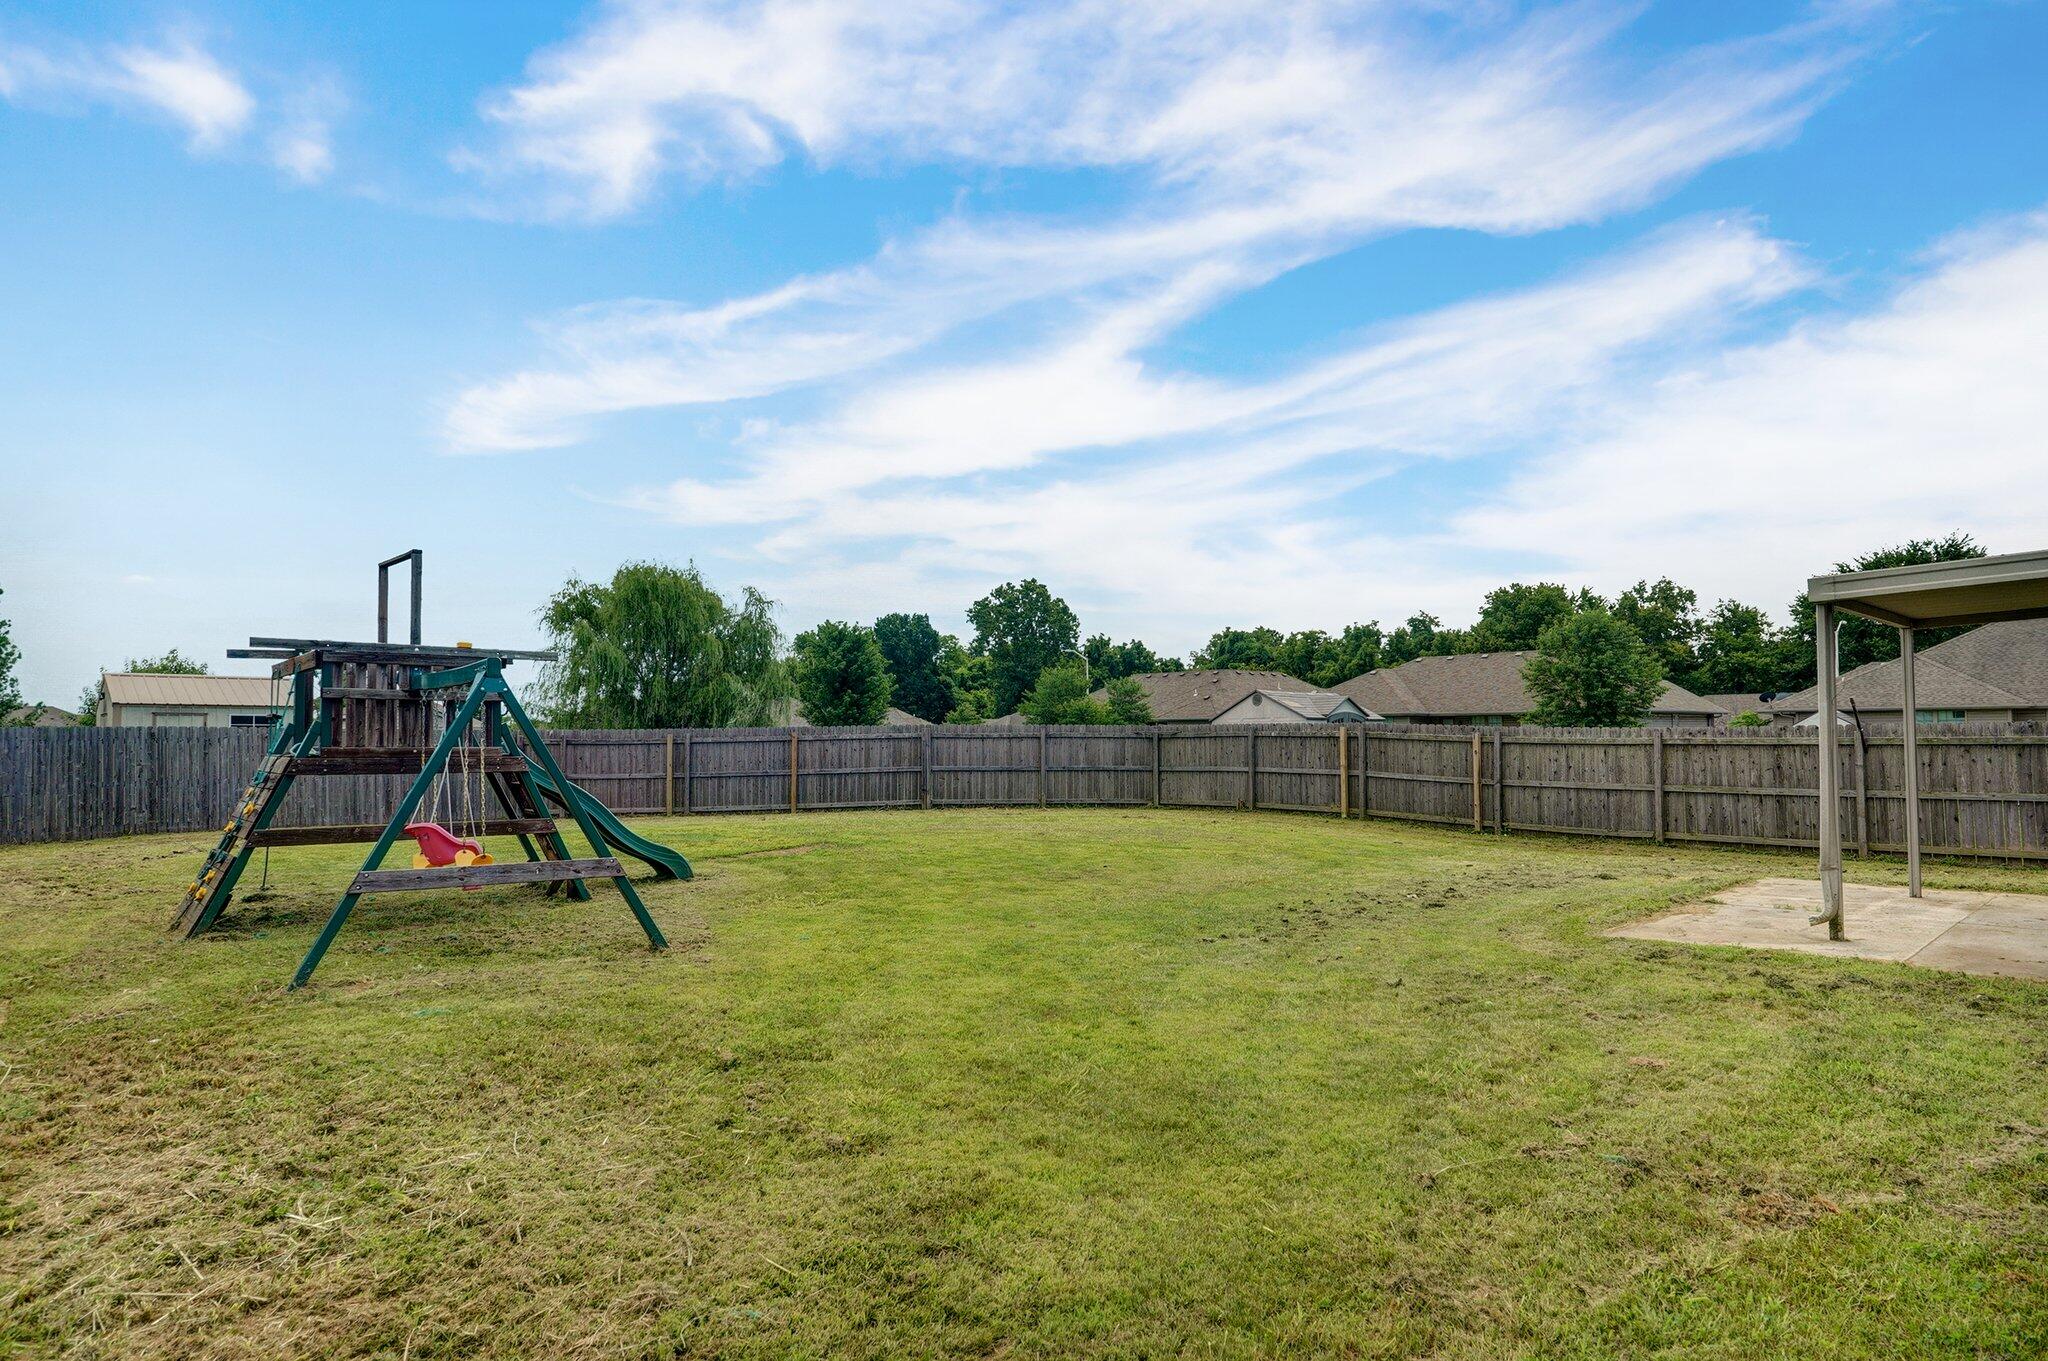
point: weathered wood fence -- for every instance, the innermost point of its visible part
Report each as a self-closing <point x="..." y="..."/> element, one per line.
<point x="1984" y="787"/>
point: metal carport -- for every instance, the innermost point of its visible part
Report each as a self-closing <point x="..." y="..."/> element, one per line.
<point x="1924" y="596"/>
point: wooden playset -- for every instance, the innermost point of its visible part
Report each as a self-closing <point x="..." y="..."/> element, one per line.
<point x="437" y="714"/>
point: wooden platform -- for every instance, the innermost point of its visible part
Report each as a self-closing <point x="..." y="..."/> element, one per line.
<point x="474" y="876"/>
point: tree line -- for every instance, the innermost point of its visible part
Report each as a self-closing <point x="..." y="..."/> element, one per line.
<point x="658" y="646"/>
<point x="1729" y="648"/>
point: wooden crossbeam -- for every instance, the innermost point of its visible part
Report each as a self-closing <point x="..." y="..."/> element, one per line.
<point x="370" y="831"/>
<point x="465" y="876"/>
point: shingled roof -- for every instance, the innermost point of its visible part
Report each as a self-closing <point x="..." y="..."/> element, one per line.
<point x="1313" y="704"/>
<point x="1993" y="666"/>
<point x="1198" y="696"/>
<point x="1474" y="684"/>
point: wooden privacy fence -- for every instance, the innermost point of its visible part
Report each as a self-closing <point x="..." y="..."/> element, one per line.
<point x="1984" y="787"/>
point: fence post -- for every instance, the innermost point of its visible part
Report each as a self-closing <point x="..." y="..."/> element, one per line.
<point x="1155" y="767"/>
<point x="687" y="738"/>
<point x="668" y="774"/>
<point x="1862" y="799"/>
<point x="1251" y="770"/>
<point x="792" y="770"/>
<point x="1657" y="784"/>
<point x="1041" y="767"/>
<point x="1364" y="774"/>
<point x="1343" y="770"/>
<point x="925" y="787"/>
<point x="1500" y="788"/>
<point x="1478" y="762"/>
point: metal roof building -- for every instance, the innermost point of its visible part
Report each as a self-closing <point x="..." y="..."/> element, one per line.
<point x="131" y="699"/>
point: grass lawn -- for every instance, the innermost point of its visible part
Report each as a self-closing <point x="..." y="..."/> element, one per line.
<point x="1018" y="1083"/>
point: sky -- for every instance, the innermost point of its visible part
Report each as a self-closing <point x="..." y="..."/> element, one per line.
<point x="1204" y="313"/>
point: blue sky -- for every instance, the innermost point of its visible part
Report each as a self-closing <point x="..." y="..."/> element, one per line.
<point x="1204" y="314"/>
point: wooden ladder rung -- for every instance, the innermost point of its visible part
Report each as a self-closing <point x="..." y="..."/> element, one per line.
<point x="464" y="876"/>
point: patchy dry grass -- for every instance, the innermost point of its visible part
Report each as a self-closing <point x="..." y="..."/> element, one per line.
<point x="1019" y="1083"/>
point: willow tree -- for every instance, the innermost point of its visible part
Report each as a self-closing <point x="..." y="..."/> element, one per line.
<point x="658" y="647"/>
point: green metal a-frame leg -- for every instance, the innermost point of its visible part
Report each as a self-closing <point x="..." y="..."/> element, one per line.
<point x="485" y="680"/>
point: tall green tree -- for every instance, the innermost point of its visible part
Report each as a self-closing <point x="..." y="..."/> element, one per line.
<point x="1666" y="616"/>
<point x="1241" y="650"/>
<point x="840" y="675"/>
<point x="1107" y="661"/>
<point x="973" y="706"/>
<point x="658" y="647"/>
<point x="1309" y="654"/>
<point x="1353" y="652"/>
<point x="1304" y="653"/>
<point x="916" y="656"/>
<point x="970" y="678"/>
<point x="1022" y="628"/>
<point x="1741" y="650"/>
<point x="1591" y="671"/>
<point x="1515" y="615"/>
<point x="10" y="657"/>
<point x="1422" y="635"/>
<point x="1061" y="696"/>
<point x="1866" y="640"/>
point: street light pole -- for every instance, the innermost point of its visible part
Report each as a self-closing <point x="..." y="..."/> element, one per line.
<point x="1085" y="686"/>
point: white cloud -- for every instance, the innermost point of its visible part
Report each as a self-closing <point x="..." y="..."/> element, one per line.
<point x="1921" y="414"/>
<point x="1245" y="141"/>
<point x="186" y="83"/>
<point x="1206" y="497"/>
<point x="178" y="79"/>
<point x="1451" y="383"/>
<point x="1355" y="110"/>
<point x="302" y="143"/>
<point x="1655" y="446"/>
<point x="1253" y="143"/>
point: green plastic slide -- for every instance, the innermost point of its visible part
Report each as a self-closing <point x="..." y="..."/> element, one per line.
<point x="667" y="863"/>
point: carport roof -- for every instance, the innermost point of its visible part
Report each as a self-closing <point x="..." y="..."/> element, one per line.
<point x="1942" y="594"/>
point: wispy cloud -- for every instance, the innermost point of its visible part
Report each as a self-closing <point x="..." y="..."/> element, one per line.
<point x="1922" y="413"/>
<point x="1407" y="111"/>
<point x="178" y="79"/>
<point x="1080" y="463"/>
<point x="1253" y="144"/>
<point x="1244" y="141"/>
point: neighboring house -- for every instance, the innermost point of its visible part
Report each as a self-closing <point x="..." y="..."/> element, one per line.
<point x="1486" y="688"/>
<point x="38" y="716"/>
<point x="1205" y="696"/>
<point x="1995" y="672"/>
<point x="892" y="717"/>
<point x="130" y="699"/>
<point x="1295" y="706"/>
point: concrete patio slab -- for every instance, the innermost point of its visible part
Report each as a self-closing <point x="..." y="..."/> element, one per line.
<point x="1998" y="934"/>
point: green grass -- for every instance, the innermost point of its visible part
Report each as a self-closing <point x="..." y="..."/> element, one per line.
<point x="1015" y="1083"/>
